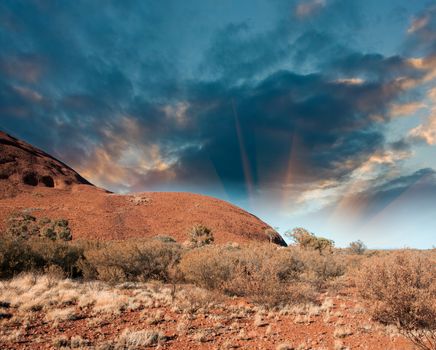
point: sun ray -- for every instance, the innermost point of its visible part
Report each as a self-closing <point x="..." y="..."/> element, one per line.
<point x="244" y="158"/>
<point x="293" y="168"/>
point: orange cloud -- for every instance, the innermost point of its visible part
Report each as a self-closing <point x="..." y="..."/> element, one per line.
<point x="406" y="109"/>
<point x="426" y="131"/>
<point x="350" y="81"/>
<point x="123" y="159"/>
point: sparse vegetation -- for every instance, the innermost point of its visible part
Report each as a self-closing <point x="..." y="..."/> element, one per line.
<point x="357" y="247"/>
<point x="200" y="235"/>
<point x="161" y="281"/>
<point x="129" y="260"/>
<point x="401" y="291"/>
<point x="19" y="255"/>
<point x="307" y="240"/>
<point x="26" y="226"/>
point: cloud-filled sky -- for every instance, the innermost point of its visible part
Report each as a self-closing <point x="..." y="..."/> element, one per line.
<point x="313" y="113"/>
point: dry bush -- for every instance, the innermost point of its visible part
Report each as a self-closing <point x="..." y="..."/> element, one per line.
<point x="200" y="235"/>
<point x="307" y="240"/>
<point x="120" y="261"/>
<point x="16" y="256"/>
<point x="401" y="291"/>
<point x="268" y="275"/>
<point x="61" y="255"/>
<point x="208" y="267"/>
<point x="319" y="270"/>
<point x="264" y="273"/>
<point x="19" y="255"/>
<point x="357" y="247"/>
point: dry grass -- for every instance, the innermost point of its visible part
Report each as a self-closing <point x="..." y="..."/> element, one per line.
<point x="131" y="339"/>
<point x="342" y="332"/>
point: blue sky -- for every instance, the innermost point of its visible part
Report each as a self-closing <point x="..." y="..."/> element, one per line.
<point x="313" y="113"/>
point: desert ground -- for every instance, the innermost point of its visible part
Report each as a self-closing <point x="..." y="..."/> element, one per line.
<point x="84" y="268"/>
<point x="159" y="294"/>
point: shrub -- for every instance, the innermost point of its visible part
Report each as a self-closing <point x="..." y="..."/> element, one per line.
<point x="307" y="240"/>
<point x="321" y="269"/>
<point x="62" y="230"/>
<point x="120" y="261"/>
<point x="19" y="255"/>
<point x="16" y="256"/>
<point x="22" y="225"/>
<point x="264" y="273"/>
<point x="26" y="226"/>
<point x="268" y="276"/>
<point x="208" y="267"/>
<point x="357" y="247"/>
<point x="63" y="255"/>
<point x="200" y="235"/>
<point x="401" y="291"/>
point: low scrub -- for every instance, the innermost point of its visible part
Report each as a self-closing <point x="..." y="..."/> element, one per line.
<point x="401" y="291"/>
<point x="26" y="226"/>
<point x="265" y="273"/>
<point x="19" y="255"/>
<point x="120" y="261"/>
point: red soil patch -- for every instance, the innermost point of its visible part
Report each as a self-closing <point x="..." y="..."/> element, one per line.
<point x="226" y="328"/>
<point x="94" y="213"/>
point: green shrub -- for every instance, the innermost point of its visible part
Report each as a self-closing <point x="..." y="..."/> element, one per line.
<point x="27" y="226"/>
<point x="22" y="225"/>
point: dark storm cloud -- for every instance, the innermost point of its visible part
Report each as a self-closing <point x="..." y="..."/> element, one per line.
<point x="237" y="53"/>
<point x="374" y="67"/>
<point x="332" y="125"/>
<point x="320" y="128"/>
<point x="77" y="78"/>
<point x="301" y="39"/>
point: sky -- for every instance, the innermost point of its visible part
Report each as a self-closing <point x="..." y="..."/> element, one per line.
<point x="308" y="113"/>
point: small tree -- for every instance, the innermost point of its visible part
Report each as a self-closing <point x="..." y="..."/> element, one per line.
<point x="200" y="235"/>
<point x="357" y="247"/>
<point x="309" y="241"/>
